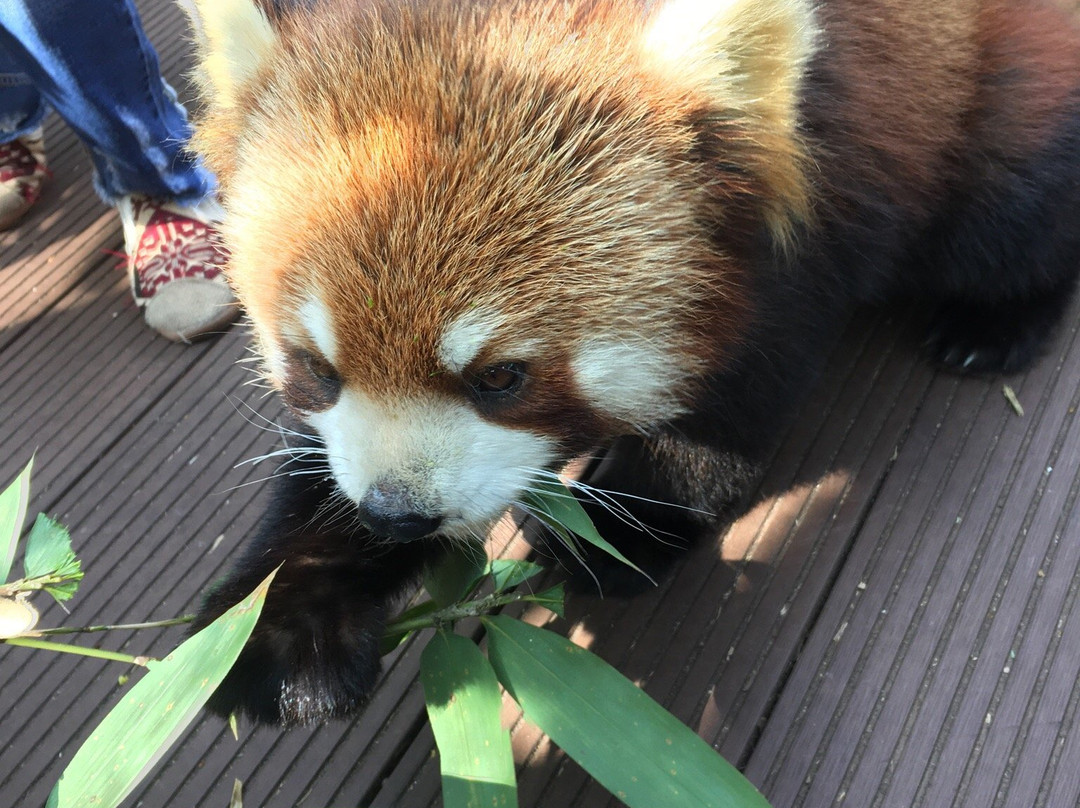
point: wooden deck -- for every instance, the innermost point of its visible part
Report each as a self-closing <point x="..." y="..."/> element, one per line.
<point x="893" y="625"/>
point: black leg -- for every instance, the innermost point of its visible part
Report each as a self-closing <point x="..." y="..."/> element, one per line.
<point x="1005" y="252"/>
<point x="1002" y="338"/>
<point x="314" y="654"/>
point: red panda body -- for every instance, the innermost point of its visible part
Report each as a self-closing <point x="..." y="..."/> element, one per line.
<point x="479" y="240"/>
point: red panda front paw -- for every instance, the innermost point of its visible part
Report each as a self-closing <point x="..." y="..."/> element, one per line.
<point x="1005" y="338"/>
<point x="310" y="659"/>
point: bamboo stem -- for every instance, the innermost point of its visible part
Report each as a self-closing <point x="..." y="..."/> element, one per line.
<point x="175" y="621"/>
<point x="458" y="611"/>
<point x="66" y="648"/>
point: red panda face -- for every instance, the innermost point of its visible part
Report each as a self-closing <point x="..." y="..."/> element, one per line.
<point x="447" y="456"/>
<point x="473" y="243"/>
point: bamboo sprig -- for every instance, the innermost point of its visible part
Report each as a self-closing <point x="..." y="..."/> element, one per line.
<point x="66" y="648"/>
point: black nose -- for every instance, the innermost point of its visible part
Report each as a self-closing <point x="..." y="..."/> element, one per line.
<point x="386" y="511"/>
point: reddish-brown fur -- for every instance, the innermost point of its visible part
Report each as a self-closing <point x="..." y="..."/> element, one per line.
<point x="918" y="88"/>
<point x="906" y="71"/>
<point x="1037" y="43"/>
<point x="422" y="200"/>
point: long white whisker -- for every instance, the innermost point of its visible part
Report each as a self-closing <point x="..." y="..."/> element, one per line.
<point x="268" y="425"/>
<point x="565" y="536"/>
<point x="609" y="502"/>
<point x="573" y="483"/>
<point x="293" y="453"/>
<point x="620" y="512"/>
<point x="578" y="485"/>
<point x="246" y="483"/>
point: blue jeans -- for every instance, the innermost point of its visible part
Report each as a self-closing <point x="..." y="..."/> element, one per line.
<point x="90" y="60"/>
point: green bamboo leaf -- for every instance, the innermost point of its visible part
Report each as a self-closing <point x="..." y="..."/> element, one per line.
<point x="457" y="575"/>
<point x="463" y="704"/>
<point x="554" y="599"/>
<point x="635" y="748"/>
<point x="49" y="553"/>
<point x="135" y="735"/>
<point x="13" y="502"/>
<point x="555" y="505"/>
<point x="508" y="573"/>
<point x="63" y="591"/>
<point x="48" y="548"/>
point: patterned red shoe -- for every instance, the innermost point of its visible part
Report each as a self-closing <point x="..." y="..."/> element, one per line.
<point x="22" y="173"/>
<point x="175" y="265"/>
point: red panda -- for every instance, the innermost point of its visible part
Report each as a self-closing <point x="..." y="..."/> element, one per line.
<point x="477" y="240"/>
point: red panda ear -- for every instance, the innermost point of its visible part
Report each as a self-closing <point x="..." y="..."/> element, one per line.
<point x="233" y="38"/>
<point x="746" y="58"/>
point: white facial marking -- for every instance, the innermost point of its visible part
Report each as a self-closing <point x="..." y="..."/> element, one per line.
<point x="316" y="319"/>
<point x="454" y="463"/>
<point x="273" y="356"/>
<point x="637" y="382"/>
<point x="462" y="339"/>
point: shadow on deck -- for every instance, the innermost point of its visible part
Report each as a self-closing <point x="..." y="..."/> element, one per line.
<point x="893" y="624"/>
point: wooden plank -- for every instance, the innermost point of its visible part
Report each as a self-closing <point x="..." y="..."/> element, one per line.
<point x="59" y="242"/>
<point x="135" y="514"/>
<point x="909" y="691"/>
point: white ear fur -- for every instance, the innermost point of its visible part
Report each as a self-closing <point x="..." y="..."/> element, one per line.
<point x="748" y="58"/>
<point x="233" y="38"/>
<point x="726" y="37"/>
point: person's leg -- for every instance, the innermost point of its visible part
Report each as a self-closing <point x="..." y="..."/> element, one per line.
<point x="22" y="144"/>
<point x="92" y="62"/>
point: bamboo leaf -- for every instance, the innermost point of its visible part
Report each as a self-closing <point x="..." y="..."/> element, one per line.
<point x="508" y="573"/>
<point x="463" y="704"/>
<point x="456" y="576"/>
<point x="48" y="548"/>
<point x="13" y="501"/>
<point x="135" y="735"/>
<point x="49" y="553"/>
<point x="63" y="591"/>
<point x="237" y="800"/>
<point x="635" y="748"/>
<point x="555" y="505"/>
<point x="554" y="599"/>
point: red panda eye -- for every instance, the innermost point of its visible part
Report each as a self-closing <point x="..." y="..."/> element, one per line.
<point x="311" y="383"/>
<point x="320" y="368"/>
<point x="495" y="381"/>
